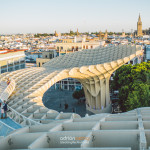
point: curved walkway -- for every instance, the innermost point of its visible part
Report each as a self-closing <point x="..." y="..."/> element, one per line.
<point x="7" y="126"/>
<point x="11" y="123"/>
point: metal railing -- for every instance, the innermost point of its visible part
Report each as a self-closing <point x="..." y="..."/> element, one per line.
<point x="19" y="118"/>
<point x="13" y="114"/>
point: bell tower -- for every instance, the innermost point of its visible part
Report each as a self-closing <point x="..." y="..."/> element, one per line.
<point x="139" y="27"/>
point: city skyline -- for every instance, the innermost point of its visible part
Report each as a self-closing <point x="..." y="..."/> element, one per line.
<point x="86" y="15"/>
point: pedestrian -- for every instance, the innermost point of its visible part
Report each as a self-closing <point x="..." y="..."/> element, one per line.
<point x="66" y="106"/>
<point x="5" y="109"/>
<point x="2" y="111"/>
<point x="8" y="81"/>
<point x="73" y="110"/>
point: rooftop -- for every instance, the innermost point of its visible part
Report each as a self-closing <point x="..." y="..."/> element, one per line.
<point x="6" y="51"/>
<point x="126" y="131"/>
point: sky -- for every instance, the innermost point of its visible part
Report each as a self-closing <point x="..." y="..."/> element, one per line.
<point x="46" y="16"/>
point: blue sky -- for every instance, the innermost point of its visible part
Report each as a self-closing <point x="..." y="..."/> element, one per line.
<point x="39" y="16"/>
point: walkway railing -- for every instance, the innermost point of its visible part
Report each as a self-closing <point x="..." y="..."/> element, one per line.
<point x="19" y="118"/>
<point x="16" y="116"/>
<point x="5" y="129"/>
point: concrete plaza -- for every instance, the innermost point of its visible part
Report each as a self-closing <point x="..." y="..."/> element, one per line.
<point x="53" y="98"/>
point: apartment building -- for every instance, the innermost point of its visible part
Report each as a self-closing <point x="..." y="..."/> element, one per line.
<point x="11" y="60"/>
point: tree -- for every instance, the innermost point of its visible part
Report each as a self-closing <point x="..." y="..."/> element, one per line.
<point x="140" y="97"/>
<point x="122" y="77"/>
<point x="110" y="33"/>
<point x="78" y="94"/>
<point x="133" y="83"/>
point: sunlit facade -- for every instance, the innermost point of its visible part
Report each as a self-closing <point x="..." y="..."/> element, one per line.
<point x="11" y="60"/>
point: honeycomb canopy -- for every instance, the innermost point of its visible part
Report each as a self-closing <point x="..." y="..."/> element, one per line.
<point x="92" y="68"/>
<point x="92" y="56"/>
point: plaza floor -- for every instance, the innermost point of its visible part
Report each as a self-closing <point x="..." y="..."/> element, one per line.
<point x="56" y="99"/>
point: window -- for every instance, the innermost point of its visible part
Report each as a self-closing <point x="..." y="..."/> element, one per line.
<point x="39" y="64"/>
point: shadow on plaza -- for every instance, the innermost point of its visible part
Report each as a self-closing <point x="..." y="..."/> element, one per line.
<point x="56" y="99"/>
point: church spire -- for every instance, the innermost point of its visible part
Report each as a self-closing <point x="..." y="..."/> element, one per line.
<point x="139" y="20"/>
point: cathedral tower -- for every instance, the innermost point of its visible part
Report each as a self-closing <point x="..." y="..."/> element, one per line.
<point x="139" y="27"/>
